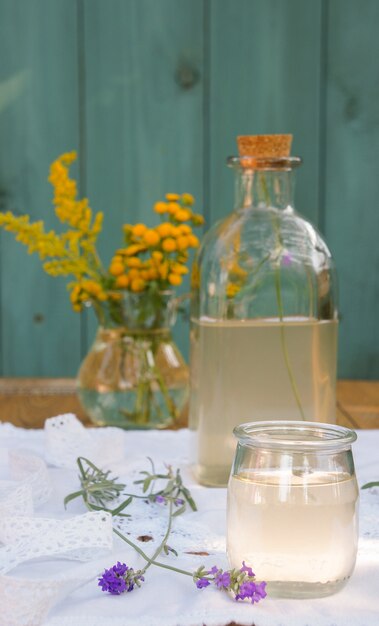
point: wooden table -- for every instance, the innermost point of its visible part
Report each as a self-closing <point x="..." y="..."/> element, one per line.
<point x="27" y="402"/>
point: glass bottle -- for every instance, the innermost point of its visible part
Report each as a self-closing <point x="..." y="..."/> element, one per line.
<point x="264" y="313"/>
<point x="134" y="376"/>
<point x="293" y="506"/>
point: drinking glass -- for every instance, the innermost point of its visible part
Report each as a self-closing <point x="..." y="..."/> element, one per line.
<point x="293" y="506"/>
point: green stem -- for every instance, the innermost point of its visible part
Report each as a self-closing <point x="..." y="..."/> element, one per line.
<point x="164" y="540"/>
<point x="284" y="344"/>
<point x="152" y="561"/>
<point x="279" y="301"/>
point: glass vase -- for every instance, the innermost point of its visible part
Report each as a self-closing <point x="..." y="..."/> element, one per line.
<point x="293" y="506"/>
<point x="264" y="317"/>
<point x="134" y="376"/>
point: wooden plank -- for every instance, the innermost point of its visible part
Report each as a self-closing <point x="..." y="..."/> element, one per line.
<point x="265" y="78"/>
<point x="358" y="403"/>
<point x="38" y="121"/>
<point x="352" y="216"/>
<point x="143" y="111"/>
<point x="27" y="402"/>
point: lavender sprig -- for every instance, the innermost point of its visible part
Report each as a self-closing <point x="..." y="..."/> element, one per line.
<point x="98" y="489"/>
<point x="240" y="582"/>
<point x="174" y="491"/>
<point x="120" y="578"/>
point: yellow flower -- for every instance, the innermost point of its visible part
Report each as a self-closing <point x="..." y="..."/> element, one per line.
<point x="134" y="273"/>
<point x="174" y="279"/>
<point x="138" y="230"/>
<point x="74" y="250"/>
<point x="197" y="219"/>
<point x="185" y="229"/>
<point x="151" y="237"/>
<point x="232" y="290"/>
<point x="183" y="242"/>
<point x="169" y="245"/>
<point x="163" y="270"/>
<point x="160" y="207"/>
<point x="173" y="207"/>
<point x="134" y="249"/>
<point x="152" y="274"/>
<point x="137" y="284"/>
<point x="134" y="261"/>
<point x="116" y="269"/>
<point x="188" y="199"/>
<point x="193" y="241"/>
<point x="175" y="231"/>
<point x="122" y="281"/>
<point x="178" y="268"/>
<point x="157" y="255"/>
<point x="182" y="215"/>
<point x="164" y="229"/>
<point x="238" y="271"/>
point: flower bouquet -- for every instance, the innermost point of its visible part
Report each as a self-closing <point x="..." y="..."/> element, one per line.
<point x="134" y="375"/>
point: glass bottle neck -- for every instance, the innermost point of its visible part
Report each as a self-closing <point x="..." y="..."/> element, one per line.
<point x="262" y="188"/>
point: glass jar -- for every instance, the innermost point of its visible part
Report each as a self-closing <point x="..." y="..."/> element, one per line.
<point x="293" y="506"/>
<point x="134" y="375"/>
<point x="264" y="317"/>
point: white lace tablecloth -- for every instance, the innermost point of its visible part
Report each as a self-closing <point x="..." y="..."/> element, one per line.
<point x="72" y="597"/>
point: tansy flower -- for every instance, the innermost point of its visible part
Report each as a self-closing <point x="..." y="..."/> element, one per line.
<point x="174" y="279"/>
<point x="188" y="199"/>
<point x="137" y="285"/>
<point x="151" y="237"/>
<point x="182" y="215"/>
<point x="160" y="207"/>
<point x="169" y="245"/>
<point x="165" y="229"/>
<point x="138" y="230"/>
<point x="151" y="259"/>
<point x="116" y="269"/>
<point x="173" y="207"/>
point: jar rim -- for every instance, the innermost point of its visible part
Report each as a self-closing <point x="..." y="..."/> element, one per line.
<point x="285" y="163"/>
<point x="294" y="435"/>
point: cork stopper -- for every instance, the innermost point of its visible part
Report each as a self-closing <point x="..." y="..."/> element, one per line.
<point x="264" y="146"/>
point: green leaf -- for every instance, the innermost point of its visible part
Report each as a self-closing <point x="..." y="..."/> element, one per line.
<point x="122" y="506"/>
<point x="179" y="511"/>
<point x="72" y="496"/>
<point x="368" y="485"/>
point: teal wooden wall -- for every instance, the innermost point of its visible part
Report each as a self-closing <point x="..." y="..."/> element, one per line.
<point x="152" y="94"/>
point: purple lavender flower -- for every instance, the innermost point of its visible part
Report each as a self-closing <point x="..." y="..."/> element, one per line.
<point x="239" y="581"/>
<point x="119" y="578"/>
<point x="179" y="502"/>
<point x="247" y="569"/>
<point x="112" y="582"/>
<point x="286" y="259"/>
<point x="260" y="591"/>
<point x="222" y="580"/>
<point x="202" y="582"/>
<point x="160" y="499"/>
<point x="252" y="591"/>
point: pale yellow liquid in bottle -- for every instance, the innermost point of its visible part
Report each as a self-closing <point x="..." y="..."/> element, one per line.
<point x="299" y="533"/>
<point x="240" y="374"/>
